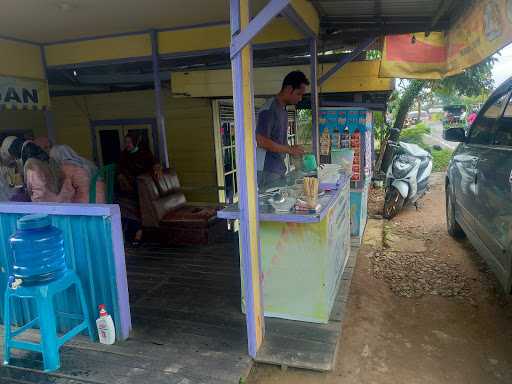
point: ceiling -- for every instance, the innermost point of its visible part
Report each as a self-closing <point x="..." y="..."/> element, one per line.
<point x="139" y="75"/>
<point x="344" y="24"/>
<point x="45" y="21"/>
<point x="360" y="18"/>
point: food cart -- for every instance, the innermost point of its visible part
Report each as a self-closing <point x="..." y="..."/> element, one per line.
<point x="303" y="253"/>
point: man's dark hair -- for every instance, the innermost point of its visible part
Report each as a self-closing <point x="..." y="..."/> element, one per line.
<point x="295" y="79"/>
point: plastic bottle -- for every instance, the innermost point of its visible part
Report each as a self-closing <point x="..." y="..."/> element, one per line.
<point x="105" y="325"/>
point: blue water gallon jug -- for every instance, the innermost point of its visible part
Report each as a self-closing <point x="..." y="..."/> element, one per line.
<point x="38" y="250"/>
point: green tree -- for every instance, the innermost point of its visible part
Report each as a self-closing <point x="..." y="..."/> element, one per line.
<point x="473" y="82"/>
<point x="304" y="126"/>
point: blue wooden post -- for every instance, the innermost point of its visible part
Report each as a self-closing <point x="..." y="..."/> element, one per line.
<point x="314" y="97"/>
<point x="243" y="98"/>
<point x="48" y="114"/>
<point x="160" y="119"/>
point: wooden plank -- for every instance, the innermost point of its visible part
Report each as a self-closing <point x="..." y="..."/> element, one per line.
<point x="15" y="375"/>
<point x="321" y="333"/>
<point x="220" y="317"/>
<point x="162" y="345"/>
<point x="188" y="326"/>
<point x="338" y="311"/>
<point x="296" y="353"/>
<point x="108" y="368"/>
<point x="93" y="361"/>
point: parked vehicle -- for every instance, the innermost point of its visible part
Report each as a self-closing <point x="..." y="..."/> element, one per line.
<point x="413" y="118"/>
<point x="406" y="177"/>
<point x="454" y="116"/>
<point x="479" y="183"/>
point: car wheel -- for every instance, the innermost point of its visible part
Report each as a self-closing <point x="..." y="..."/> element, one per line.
<point x="454" y="229"/>
<point x="393" y="203"/>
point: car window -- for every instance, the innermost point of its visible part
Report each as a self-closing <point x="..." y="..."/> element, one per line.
<point x="504" y="129"/>
<point x="482" y="131"/>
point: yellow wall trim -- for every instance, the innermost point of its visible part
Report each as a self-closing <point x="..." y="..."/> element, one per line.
<point x="195" y="39"/>
<point x="353" y="77"/>
<point x="111" y="48"/>
<point x="218" y="37"/>
<point x="21" y="60"/>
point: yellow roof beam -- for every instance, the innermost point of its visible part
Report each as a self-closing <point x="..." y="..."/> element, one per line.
<point x="353" y="77"/>
<point x="104" y="49"/>
<point x="218" y="37"/>
<point x="307" y="12"/>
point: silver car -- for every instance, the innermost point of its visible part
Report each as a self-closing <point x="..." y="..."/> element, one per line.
<point x="479" y="183"/>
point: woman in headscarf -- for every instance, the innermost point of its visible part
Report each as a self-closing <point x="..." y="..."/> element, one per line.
<point x="43" y="178"/>
<point x="44" y="143"/>
<point x="136" y="159"/>
<point x="80" y="171"/>
<point x="6" y="182"/>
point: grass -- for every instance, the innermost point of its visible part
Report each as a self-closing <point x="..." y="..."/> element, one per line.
<point x="414" y="135"/>
<point x="441" y="159"/>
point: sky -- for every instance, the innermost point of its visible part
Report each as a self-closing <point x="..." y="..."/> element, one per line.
<point x="503" y="67"/>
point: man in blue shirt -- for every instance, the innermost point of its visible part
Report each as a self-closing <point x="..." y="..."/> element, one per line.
<point x="272" y="130"/>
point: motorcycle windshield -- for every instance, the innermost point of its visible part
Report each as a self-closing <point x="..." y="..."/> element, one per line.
<point x="402" y="165"/>
<point x="414" y="150"/>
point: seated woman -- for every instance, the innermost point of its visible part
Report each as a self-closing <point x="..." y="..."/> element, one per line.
<point x="79" y="171"/>
<point x="6" y="188"/>
<point x="43" y="178"/>
<point x="136" y="159"/>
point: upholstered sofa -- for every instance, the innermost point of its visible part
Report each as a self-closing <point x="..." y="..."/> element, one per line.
<point x="165" y="211"/>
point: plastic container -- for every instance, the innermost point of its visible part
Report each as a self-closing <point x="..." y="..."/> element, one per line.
<point x="105" y="325"/>
<point x="309" y="162"/>
<point x="38" y="250"/>
<point x="343" y="157"/>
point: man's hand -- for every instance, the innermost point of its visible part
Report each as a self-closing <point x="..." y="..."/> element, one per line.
<point x="296" y="150"/>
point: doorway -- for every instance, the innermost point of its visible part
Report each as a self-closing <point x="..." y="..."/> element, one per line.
<point x="108" y="138"/>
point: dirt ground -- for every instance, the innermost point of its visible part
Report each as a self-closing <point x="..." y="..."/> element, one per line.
<point x="423" y="309"/>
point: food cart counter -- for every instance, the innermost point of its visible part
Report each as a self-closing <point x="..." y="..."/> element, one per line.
<point x="303" y="254"/>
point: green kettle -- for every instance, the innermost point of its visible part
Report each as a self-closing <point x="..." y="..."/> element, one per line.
<point x="309" y="162"/>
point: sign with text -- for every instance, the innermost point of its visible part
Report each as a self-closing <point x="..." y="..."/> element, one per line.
<point x="20" y="93"/>
<point x="484" y="28"/>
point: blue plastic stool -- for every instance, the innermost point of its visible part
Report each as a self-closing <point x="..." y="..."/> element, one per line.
<point x="50" y="342"/>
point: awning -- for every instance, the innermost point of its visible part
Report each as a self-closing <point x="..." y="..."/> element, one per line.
<point x="23" y="94"/>
<point x="480" y="32"/>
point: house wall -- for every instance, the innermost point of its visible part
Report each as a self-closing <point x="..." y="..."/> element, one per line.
<point x="23" y="120"/>
<point x="188" y="122"/>
<point x="21" y="60"/>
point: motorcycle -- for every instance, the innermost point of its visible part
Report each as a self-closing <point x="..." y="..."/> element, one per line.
<point x="406" y="177"/>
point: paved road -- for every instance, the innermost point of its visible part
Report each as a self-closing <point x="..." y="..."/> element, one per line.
<point x="436" y="136"/>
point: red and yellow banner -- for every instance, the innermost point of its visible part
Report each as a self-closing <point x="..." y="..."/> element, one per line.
<point x="484" y="29"/>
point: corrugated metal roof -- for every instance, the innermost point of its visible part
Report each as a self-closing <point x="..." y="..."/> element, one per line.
<point x="352" y="19"/>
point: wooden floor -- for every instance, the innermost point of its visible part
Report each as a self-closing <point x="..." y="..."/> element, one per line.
<point x="306" y="345"/>
<point x="187" y="326"/>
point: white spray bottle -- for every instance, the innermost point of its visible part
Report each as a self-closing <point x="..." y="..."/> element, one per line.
<point x="105" y="325"/>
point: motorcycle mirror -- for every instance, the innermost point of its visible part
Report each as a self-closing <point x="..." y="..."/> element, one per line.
<point x="394" y="134"/>
<point x="457" y="135"/>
